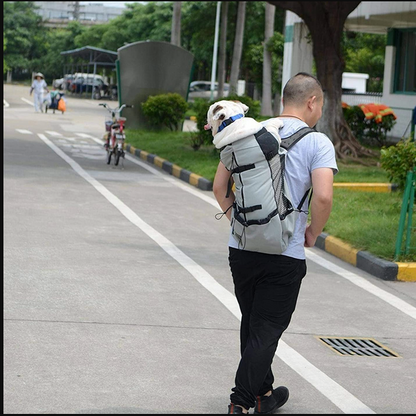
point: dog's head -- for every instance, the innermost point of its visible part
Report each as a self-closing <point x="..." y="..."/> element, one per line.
<point x="221" y="111"/>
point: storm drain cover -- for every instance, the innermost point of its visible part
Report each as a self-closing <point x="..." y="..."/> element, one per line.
<point x="358" y="346"/>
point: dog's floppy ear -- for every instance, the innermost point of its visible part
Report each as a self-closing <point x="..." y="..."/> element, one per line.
<point x="218" y="113"/>
<point x="243" y="106"/>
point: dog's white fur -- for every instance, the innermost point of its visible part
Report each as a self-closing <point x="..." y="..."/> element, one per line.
<point x="240" y="128"/>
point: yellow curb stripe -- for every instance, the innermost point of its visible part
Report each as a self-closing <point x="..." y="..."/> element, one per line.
<point x="132" y="149"/>
<point x="176" y="171"/>
<point x="368" y="187"/>
<point x="143" y="154"/>
<point x="158" y="161"/>
<point x="341" y="250"/>
<point x="194" y="178"/>
<point x="193" y="118"/>
<point x="406" y="272"/>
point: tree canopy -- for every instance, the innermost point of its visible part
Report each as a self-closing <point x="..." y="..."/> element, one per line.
<point x="30" y="46"/>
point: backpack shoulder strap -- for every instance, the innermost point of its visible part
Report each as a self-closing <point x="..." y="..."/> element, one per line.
<point x="288" y="142"/>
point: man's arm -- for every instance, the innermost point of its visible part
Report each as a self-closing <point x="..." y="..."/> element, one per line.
<point x="220" y="187"/>
<point x="321" y="204"/>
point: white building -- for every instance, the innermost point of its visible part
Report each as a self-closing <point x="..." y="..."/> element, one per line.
<point x="397" y="20"/>
<point x="59" y="13"/>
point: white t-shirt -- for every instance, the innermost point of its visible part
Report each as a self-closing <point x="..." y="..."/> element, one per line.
<point x="313" y="151"/>
<point x="38" y="86"/>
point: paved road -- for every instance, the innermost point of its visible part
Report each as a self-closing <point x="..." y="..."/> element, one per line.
<point x="118" y="297"/>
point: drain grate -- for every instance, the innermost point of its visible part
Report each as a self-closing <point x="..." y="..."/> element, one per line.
<point x="366" y="347"/>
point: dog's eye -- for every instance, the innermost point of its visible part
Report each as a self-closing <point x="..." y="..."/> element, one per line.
<point x="221" y="117"/>
<point x="216" y="109"/>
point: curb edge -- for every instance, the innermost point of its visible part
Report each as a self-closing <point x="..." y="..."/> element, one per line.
<point x="174" y="170"/>
<point x="383" y="269"/>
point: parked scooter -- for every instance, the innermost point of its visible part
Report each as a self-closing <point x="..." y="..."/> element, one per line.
<point x="114" y="136"/>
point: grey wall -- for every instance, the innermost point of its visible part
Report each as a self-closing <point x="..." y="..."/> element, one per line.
<point x="151" y="68"/>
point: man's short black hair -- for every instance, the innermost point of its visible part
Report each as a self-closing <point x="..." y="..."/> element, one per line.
<point x="300" y="88"/>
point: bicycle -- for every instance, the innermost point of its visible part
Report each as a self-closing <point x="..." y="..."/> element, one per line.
<point x="115" y="136"/>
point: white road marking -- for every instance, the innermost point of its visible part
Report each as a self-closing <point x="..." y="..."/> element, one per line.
<point x="364" y="284"/>
<point x="24" y="131"/>
<point x="343" y="399"/>
<point x="87" y="136"/>
<point x="54" y="133"/>
<point x="172" y="180"/>
<point x="27" y="101"/>
<point x="87" y="146"/>
<point x="5" y="103"/>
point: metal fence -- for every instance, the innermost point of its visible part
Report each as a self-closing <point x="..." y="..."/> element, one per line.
<point x="353" y="98"/>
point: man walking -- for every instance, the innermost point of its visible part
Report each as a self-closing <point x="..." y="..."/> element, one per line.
<point x="267" y="285"/>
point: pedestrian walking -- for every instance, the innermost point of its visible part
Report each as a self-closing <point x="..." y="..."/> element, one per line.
<point x="38" y="87"/>
<point x="267" y="285"/>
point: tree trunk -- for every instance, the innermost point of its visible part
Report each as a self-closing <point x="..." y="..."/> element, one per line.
<point x="325" y="21"/>
<point x="276" y="103"/>
<point x="266" y="100"/>
<point x="175" y="38"/>
<point x="223" y="49"/>
<point x="238" y="47"/>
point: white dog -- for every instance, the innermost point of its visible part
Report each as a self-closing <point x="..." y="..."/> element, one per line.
<point x="227" y="122"/>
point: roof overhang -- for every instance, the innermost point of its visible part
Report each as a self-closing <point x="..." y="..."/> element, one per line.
<point x="93" y="55"/>
<point x="378" y="17"/>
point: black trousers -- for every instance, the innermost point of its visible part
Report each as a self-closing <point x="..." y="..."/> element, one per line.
<point x="267" y="288"/>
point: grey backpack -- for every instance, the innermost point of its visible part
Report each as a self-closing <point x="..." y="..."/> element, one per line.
<point x="263" y="217"/>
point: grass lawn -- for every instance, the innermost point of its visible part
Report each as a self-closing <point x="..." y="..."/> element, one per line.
<point x="365" y="220"/>
<point x="369" y="221"/>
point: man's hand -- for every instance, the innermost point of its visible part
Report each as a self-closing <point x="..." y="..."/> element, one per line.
<point x="310" y="239"/>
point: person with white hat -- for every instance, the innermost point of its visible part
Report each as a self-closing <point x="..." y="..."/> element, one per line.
<point x="38" y="85"/>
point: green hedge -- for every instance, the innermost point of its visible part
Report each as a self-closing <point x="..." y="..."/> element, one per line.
<point x="399" y="159"/>
<point x="165" y="110"/>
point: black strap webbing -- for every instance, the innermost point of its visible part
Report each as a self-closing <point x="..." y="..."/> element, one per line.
<point x="243" y="168"/>
<point x="229" y="187"/>
<point x="246" y="210"/>
<point x="288" y="142"/>
<point x="303" y="199"/>
<point x="262" y="131"/>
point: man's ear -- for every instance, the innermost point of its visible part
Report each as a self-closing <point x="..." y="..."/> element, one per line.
<point x="311" y="102"/>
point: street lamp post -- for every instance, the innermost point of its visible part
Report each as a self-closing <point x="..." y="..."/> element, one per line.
<point x="214" y="57"/>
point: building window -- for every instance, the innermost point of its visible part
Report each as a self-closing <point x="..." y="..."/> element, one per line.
<point x="405" y="79"/>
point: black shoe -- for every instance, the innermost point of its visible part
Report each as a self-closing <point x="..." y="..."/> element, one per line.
<point x="232" y="408"/>
<point x="268" y="404"/>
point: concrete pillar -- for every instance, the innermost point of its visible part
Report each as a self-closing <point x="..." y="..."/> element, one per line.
<point x="297" y="54"/>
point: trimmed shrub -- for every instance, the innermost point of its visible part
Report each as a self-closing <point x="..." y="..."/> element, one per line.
<point x="165" y="110"/>
<point x="399" y="159"/>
